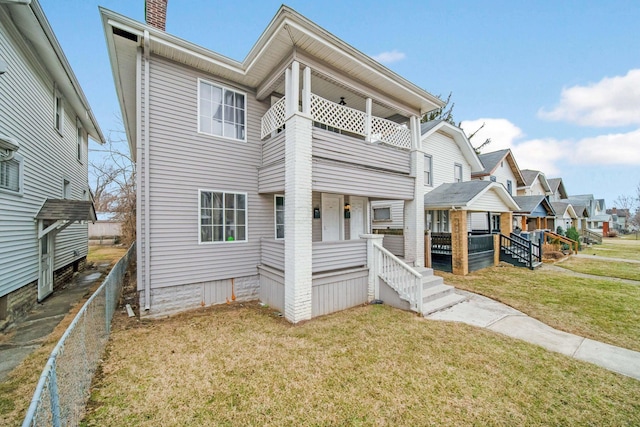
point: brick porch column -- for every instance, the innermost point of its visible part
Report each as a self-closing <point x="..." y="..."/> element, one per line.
<point x="506" y="223"/>
<point x="297" y="207"/>
<point x="459" y="243"/>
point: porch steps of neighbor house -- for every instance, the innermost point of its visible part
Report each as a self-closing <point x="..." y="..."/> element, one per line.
<point x="436" y="295"/>
<point x="516" y="260"/>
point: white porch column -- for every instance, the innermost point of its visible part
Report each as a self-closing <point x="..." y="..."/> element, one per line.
<point x="306" y="91"/>
<point x="373" y="290"/>
<point x="298" y="210"/>
<point x="414" y="209"/>
<point x="367" y="122"/>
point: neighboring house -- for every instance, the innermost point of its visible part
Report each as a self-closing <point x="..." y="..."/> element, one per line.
<point x="501" y="167"/>
<point x="597" y="219"/>
<point x="45" y="120"/>
<point x="566" y="216"/>
<point x="535" y="213"/>
<point x="619" y="218"/>
<point x="535" y="184"/>
<point x="558" y="190"/>
<point x="255" y="177"/>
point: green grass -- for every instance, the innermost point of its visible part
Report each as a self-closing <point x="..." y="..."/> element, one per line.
<point x="100" y="254"/>
<point x="368" y="366"/>
<point x="616" y="248"/>
<point x="600" y="309"/>
<point x="596" y="267"/>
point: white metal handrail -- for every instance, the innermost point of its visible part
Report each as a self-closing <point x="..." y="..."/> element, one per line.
<point x="274" y="118"/>
<point x="400" y="276"/>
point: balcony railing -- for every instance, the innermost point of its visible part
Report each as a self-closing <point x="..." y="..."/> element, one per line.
<point x="374" y="129"/>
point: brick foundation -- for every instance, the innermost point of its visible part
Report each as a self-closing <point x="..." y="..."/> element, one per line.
<point x="15" y="305"/>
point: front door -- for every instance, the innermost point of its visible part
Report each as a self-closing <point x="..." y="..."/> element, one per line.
<point x="357" y="224"/>
<point x="331" y="217"/>
<point x="45" y="281"/>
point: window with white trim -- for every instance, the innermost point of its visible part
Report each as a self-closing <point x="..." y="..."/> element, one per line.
<point x="509" y="186"/>
<point x="11" y="174"/>
<point x="382" y="214"/>
<point x="58" y="117"/>
<point x="457" y="172"/>
<point x="79" y="141"/>
<point x="437" y="221"/>
<point x="279" y="216"/>
<point x="223" y="216"/>
<point x="428" y="167"/>
<point x="221" y="111"/>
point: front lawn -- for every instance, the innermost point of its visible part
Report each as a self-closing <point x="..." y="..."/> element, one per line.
<point x="615" y="248"/>
<point x="600" y="309"/>
<point x="375" y="365"/>
<point x="596" y="267"/>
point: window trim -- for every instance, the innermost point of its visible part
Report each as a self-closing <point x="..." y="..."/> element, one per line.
<point x="223" y="87"/>
<point x="224" y="192"/>
<point x="67" y="187"/>
<point x="58" y="110"/>
<point x="79" y="141"/>
<point x="275" y="217"/>
<point x="510" y="187"/>
<point x="430" y="158"/>
<point x="373" y="213"/>
<point x="20" y="191"/>
<point x="455" y="178"/>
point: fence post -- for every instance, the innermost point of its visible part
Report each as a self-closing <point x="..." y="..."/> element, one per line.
<point x="427" y="248"/>
<point x="107" y="307"/>
<point x="530" y="254"/>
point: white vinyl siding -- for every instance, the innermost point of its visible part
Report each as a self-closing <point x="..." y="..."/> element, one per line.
<point x="457" y="172"/>
<point x="223" y="216"/>
<point x="445" y="153"/>
<point x="221" y="111"/>
<point x="278" y="216"/>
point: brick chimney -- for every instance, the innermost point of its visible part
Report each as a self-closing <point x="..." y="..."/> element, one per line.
<point x="155" y="13"/>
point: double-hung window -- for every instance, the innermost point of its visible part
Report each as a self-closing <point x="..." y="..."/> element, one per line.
<point x="509" y="186"/>
<point x="279" y="216"/>
<point x="58" y="113"/>
<point x="221" y="111"/>
<point x="223" y="216"/>
<point x="10" y="175"/>
<point x="457" y="172"/>
<point x="79" y="141"/>
<point x="428" y="167"/>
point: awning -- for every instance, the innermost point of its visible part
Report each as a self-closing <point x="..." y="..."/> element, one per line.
<point x="67" y="210"/>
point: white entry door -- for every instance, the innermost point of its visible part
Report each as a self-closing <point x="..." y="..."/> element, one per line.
<point x="358" y="222"/>
<point x="45" y="281"/>
<point x="331" y="217"/>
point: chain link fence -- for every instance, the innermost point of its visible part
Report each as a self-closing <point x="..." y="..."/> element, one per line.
<point x="63" y="388"/>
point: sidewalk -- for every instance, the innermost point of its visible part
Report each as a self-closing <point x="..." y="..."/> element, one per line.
<point x="29" y="333"/>
<point x="487" y="313"/>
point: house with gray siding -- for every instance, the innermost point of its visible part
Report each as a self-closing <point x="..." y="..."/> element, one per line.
<point x="256" y="177"/>
<point x="45" y="121"/>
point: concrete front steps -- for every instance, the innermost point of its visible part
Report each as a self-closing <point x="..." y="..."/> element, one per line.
<point x="436" y="295"/>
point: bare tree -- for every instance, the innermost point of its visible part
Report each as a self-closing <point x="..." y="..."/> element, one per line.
<point x="114" y="188"/>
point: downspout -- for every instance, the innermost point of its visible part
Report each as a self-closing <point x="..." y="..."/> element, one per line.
<point x="147" y="233"/>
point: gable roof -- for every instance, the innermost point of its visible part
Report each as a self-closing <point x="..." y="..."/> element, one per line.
<point x="288" y="36"/>
<point x="490" y="162"/>
<point x="528" y="204"/>
<point x="562" y="207"/>
<point x="31" y="22"/>
<point x="530" y="177"/>
<point x="557" y="186"/>
<point x="462" y="195"/>
<point x="429" y="128"/>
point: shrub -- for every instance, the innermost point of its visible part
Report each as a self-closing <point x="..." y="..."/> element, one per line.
<point x="560" y="231"/>
<point x="612" y="233"/>
<point x="573" y="234"/>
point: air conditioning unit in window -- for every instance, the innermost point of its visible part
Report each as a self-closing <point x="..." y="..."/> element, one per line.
<point x="8" y="146"/>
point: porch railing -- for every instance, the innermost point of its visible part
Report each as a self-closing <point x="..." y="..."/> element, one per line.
<point x="552" y="237"/>
<point x="589" y="235"/>
<point x="273" y="118"/>
<point x="399" y="276"/>
<point x="521" y="249"/>
<point x="343" y="118"/>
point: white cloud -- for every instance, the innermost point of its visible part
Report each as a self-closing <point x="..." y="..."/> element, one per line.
<point x="389" y="57"/>
<point x="548" y="154"/>
<point x="613" y="101"/>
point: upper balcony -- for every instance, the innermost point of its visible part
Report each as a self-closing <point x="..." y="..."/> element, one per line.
<point x="342" y="119"/>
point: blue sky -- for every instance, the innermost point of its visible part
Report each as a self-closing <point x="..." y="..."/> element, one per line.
<point x="557" y="82"/>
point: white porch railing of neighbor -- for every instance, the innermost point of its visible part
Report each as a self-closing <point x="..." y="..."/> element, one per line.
<point x="399" y="276"/>
<point x="343" y="118"/>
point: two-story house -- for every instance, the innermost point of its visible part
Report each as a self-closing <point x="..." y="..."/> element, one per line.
<point x="45" y="121"/>
<point x="255" y="177"/>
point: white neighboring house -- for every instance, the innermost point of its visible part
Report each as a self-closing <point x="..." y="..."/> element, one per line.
<point x="535" y="184"/>
<point x="45" y="120"/>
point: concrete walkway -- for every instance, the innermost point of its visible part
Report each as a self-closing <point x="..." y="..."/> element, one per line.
<point x="29" y="333"/>
<point x="559" y="268"/>
<point x="604" y="258"/>
<point x="487" y="313"/>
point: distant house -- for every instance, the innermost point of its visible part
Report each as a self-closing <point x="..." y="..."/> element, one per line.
<point x="535" y="184"/>
<point x="620" y="219"/>
<point x="566" y="216"/>
<point x="535" y="213"/>
<point x="45" y="121"/>
<point x="597" y="215"/>
<point x="501" y="167"/>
